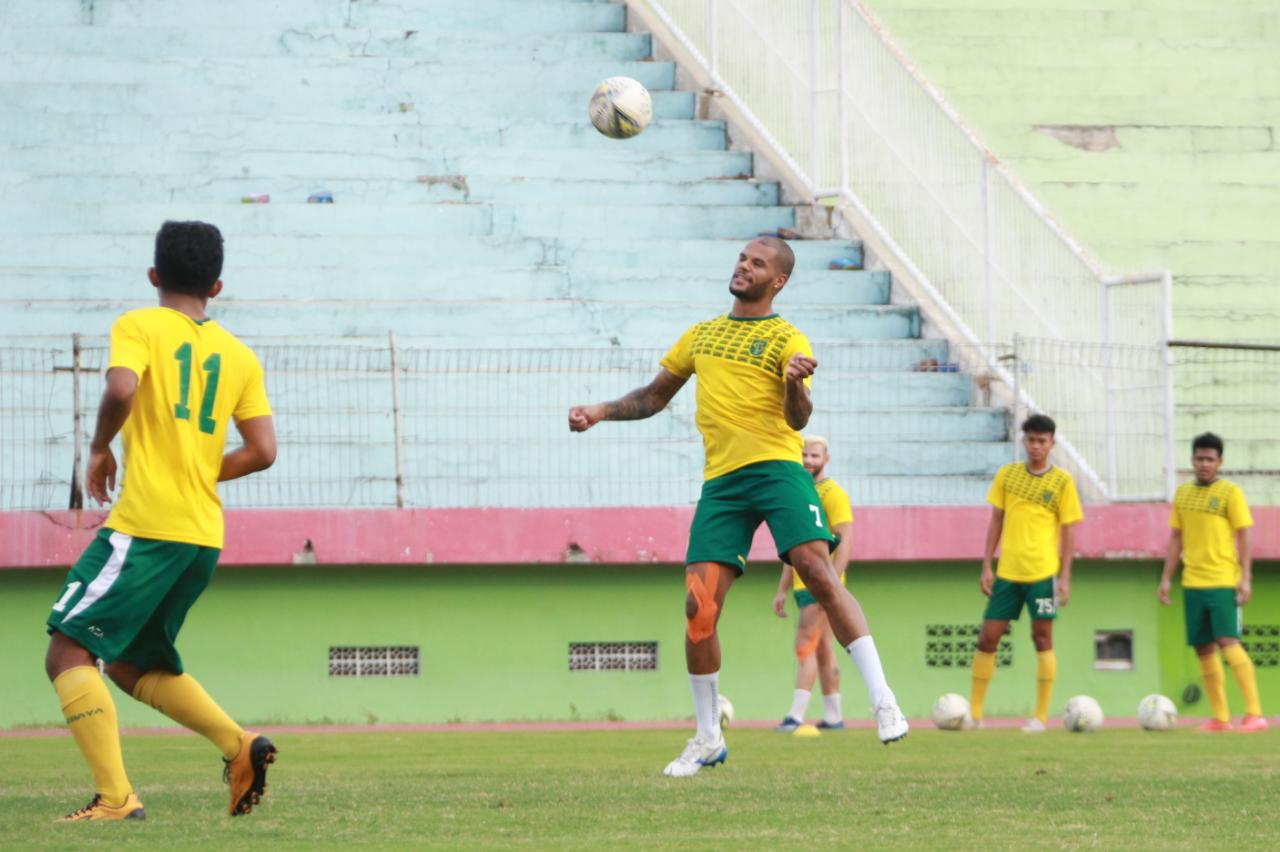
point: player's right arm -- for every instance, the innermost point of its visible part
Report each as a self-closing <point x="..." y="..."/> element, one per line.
<point x="637" y="405"/>
<point x="784" y="586"/>
<point x="1172" y="554"/>
<point x="995" y="527"/>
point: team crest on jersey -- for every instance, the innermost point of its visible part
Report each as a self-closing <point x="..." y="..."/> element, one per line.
<point x="758" y="347"/>
<point x="1048" y="496"/>
<point x="1213" y="503"/>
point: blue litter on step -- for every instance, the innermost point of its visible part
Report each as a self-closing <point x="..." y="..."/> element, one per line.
<point x="322" y="197"/>
<point x="843" y="263"/>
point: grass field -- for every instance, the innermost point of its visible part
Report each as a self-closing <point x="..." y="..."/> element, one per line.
<point x="988" y="789"/>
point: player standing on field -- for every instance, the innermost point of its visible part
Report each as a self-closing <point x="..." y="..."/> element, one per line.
<point x="754" y="370"/>
<point x="174" y="382"/>
<point x="1217" y="580"/>
<point x="814" y="657"/>
<point x="1033" y="508"/>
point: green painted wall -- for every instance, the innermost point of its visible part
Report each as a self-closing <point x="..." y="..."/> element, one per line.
<point x="494" y="642"/>
<point x="1151" y="129"/>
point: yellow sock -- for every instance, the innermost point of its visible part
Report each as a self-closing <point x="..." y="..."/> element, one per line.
<point x="1046" y="672"/>
<point x="91" y="716"/>
<point x="1242" y="668"/>
<point x="183" y="699"/>
<point x="984" y="668"/>
<point x="1215" y="686"/>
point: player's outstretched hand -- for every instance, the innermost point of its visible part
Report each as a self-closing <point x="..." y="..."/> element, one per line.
<point x="780" y="605"/>
<point x="101" y="475"/>
<point x="583" y="417"/>
<point x="1163" y="592"/>
<point x="800" y="367"/>
<point x="1243" y="592"/>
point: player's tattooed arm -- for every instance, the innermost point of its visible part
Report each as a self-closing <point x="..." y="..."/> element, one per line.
<point x="637" y="405"/>
<point x="797" y="405"/>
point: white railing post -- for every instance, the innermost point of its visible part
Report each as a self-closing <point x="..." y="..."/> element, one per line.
<point x="1170" y="438"/>
<point x="1108" y="406"/>
<point x="713" y="40"/>
<point x="1017" y="393"/>
<point x="395" y="420"/>
<point x="988" y="297"/>
<point x="815" y="180"/>
<point x="840" y="95"/>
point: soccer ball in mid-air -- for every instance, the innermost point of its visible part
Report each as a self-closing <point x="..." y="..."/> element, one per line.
<point x="726" y="712"/>
<point x="620" y="108"/>
<point x="1082" y="715"/>
<point x="1157" y="713"/>
<point x="950" y="711"/>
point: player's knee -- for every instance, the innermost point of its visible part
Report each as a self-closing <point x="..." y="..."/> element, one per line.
<point x="700" y="610"/>
<point x="821" y="580"/>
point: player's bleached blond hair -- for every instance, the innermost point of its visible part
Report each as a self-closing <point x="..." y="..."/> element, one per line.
<point x="818" y="439"/>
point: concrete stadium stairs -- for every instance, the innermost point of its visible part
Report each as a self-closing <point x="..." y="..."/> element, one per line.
<point x="1151" y="128"/>
<point x="475" y="208"/>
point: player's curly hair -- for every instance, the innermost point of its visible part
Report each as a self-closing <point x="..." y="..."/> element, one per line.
<point x="188" y="257"/>
<point x="1039" y="424"/>
<point x="1207" y="441"/>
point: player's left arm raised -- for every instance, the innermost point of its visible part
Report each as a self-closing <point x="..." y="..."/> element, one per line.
<point x="797" y="405"/>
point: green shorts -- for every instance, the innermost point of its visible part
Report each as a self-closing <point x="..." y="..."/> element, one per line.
<point x="126" y="598"/>
<point x="804" y="598"/>
<point x="1211" y="614"/>
<point x="1008" y="598"/>
<point x="779" y="493"/>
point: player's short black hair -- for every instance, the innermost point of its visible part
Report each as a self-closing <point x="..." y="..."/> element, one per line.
<point x="786" y="257"/>
<point x="1207" y="441"/>
<point x="188" y="257"/>
<point x="1039" y="424"/>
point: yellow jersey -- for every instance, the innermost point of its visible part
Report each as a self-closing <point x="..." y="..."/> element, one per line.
<point x="1036" y="507"/>
<point x="741" y="365"/>
<point x="1209" y="516"/>
<point x="835" y="503"/>
<point x="193" y="378"/>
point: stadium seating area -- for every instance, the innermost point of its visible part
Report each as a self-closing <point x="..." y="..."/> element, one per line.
<point x="474" y="205"/>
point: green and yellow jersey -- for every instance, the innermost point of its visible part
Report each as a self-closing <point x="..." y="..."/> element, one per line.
<point x="1209" y="515"/>
<point x="835" y="503"/>
<point x="1036" y="507"/>
<point x="741" y="365"/>
<point x="193" y="378"/>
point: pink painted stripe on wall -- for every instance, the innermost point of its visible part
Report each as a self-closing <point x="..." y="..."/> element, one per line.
<point x="606" y="535"/>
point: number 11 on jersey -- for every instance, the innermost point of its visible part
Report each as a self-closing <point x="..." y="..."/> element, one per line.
<point x="213" y="366"/>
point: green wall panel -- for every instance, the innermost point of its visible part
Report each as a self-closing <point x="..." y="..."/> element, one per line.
<point x="495" y="642"/>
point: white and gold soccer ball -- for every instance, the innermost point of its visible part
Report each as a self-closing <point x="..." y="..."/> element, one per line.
<point x="620" y="108"/>
<point x="726" y="712"/>
<point x="950" y="711"/>
<point x="1157" y="713"/>
<point x="1082" y="715"/>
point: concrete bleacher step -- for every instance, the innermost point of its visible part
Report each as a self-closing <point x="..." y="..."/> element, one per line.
<point x="613" y="163"/>
<point x="537" y="322"/>
<point x="260" y="42"/>
<point x="409" y="132"/>
<point x="410" y="282"/>
<point x="377" y="251"/>
<point x="189" y="188"/>
<point x="167" y="98"/>
<point x="516" y="16"/>
<point x="470" y="82"/>
<point x="471" y="219"/>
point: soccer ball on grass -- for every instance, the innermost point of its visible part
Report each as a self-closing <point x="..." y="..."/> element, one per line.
<point x="1082" y="715"/>
<point x="950" y="711"/>
<point x="620" y="108"/>
<point x="1157" y="713"/>
<point x="726" y="712"/>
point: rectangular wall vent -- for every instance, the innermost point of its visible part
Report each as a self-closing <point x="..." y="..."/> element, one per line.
<point x="374" y="661"/>
<point x="952" y="646"/>
<point x="1262" y="643"/>
<point x="613" y="656"/>
<point x="1113" y="650"/>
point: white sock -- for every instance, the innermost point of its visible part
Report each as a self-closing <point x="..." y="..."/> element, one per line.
<point x="831" y="712"/>
<point x="798" y="704"/>
<point x="706" y="704"/>
<point x="867" y="660"/>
